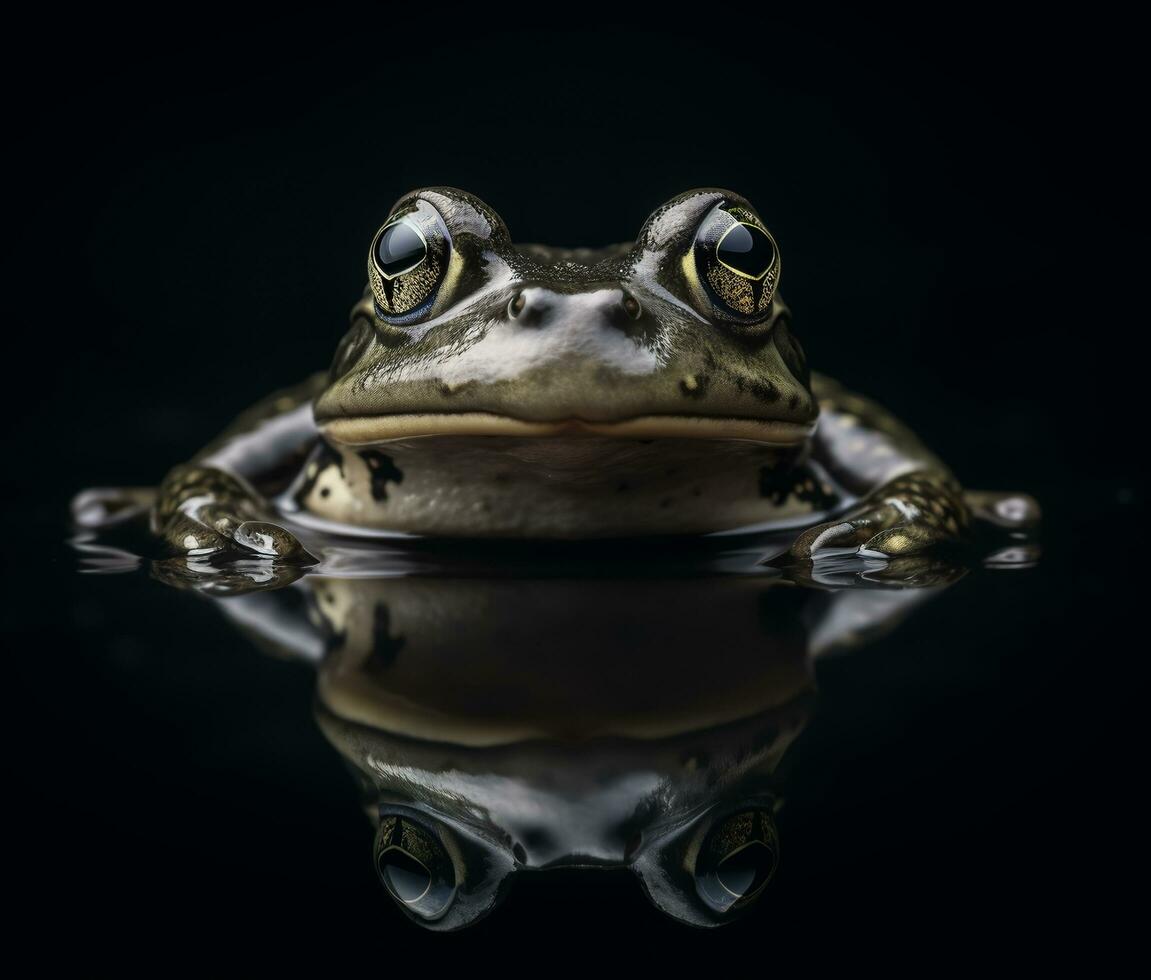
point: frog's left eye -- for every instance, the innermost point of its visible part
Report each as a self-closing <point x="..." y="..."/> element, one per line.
<point x="415" y="868"/>
<point x="737" y="262"/>
<point x="408" y="262"/>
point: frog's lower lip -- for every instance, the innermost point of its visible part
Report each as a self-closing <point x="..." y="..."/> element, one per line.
<point x="366" y="430"/>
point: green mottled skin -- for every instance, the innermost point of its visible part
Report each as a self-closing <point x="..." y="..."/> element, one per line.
<point x="542" y="335"/>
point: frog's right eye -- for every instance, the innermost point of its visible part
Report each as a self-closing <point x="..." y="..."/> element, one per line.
<point x="737" y="264"/>
<point x="736" y="860"/>
<point x="708" y="872"/>
<point x="407" y="264"/>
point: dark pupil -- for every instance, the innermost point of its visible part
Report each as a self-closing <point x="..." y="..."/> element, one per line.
<point x="405" y="877"/>
<point x="400" y="248"/>
<point x="746" y="249"/>
<point x="746" y="870"/>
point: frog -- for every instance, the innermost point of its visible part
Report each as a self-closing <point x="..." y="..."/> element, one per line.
<point x="488" y="390"/>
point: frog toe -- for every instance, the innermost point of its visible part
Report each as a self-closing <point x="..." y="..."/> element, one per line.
<point x="1010" y="511"/>
<point x="833" y="534"/>
<point x="272" y="541"/>
<point x="184" y="536"/>
<point x="103" y="507"/>
<point x="899" y="541"/>
<point x="226" y="538"/>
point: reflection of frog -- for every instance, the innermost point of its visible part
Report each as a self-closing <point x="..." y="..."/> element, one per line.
<point x="490" y="744"/>
<point x="489" y="390"/>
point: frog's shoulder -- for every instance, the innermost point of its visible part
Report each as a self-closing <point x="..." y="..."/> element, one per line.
<point x="278" y="403"/>
<point x="852" y="424"/>
<point x="824" y="387"/>
<point x="835" y="398"/>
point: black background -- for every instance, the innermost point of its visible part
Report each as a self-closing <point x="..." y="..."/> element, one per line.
<point x="955" y="205"/>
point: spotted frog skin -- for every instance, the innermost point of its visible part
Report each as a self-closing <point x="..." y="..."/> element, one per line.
<point x="488" y="390"/>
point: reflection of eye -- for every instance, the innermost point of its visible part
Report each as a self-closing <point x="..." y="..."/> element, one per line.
<point x="408" y="261"/>
<point x="737" y="260"/>
<point x="415" y="867"/>
<point x="736" y="860"/>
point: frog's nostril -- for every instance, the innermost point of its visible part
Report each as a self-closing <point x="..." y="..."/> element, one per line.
<point x="574" y="308"/>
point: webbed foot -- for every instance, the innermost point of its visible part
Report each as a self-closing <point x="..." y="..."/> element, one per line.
<point x="204" y="513"/>
<point x="909" y="515"/>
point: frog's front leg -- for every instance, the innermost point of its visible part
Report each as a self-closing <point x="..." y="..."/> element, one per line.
<point x="215" y="505"/>
<point x="908" y="501"/>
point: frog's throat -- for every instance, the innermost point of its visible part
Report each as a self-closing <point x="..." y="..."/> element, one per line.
<point x="368" y="430"/>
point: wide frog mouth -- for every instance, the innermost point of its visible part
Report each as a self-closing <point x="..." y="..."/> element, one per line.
<point x="370" y="430"/>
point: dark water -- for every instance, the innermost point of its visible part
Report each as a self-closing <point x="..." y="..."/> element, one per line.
<point x="958" y="234"/>
<point x="937" y="771"/>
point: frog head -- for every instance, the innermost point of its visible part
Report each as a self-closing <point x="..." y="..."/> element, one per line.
<point x="468" y="343"/>
<point x="681" y="334"/>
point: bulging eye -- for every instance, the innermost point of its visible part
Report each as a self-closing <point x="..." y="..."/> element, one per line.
<point x="415" y="868"/>
<point x="736" y="860"/>
<point x="408" y="262"/>
<point x="737" y="262"/>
